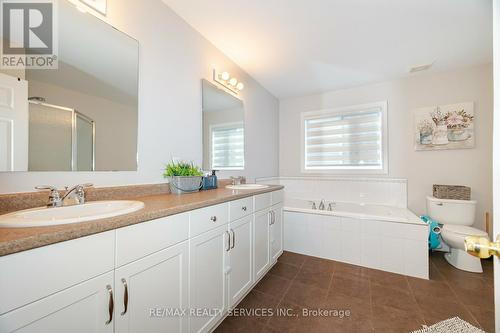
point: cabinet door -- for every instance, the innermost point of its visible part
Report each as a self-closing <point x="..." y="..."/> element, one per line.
<point x="208" y="278"/>
<point x="240" y="259"/>
<point x="276" y="232"/>
<point x="84" y="308"/>
<point x="152" y="293"/>
<point x="261" y="243"/>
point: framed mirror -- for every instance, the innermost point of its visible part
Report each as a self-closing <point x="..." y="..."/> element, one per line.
<point x="223" y="129"/>
<point x="82" y="116"/>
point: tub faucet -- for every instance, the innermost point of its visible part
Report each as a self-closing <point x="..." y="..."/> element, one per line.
<point x="313" y="206"/>
<point x="330" y="206"/>
<point x="322" y="204"/>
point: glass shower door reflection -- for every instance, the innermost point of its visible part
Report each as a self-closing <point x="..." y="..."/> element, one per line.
<point x="60" y="139"/>
<point x="84" y="143"/>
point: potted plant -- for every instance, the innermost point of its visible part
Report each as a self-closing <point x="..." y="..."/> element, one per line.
<point x="183" y="177"/>
<point x="457" y="123"/>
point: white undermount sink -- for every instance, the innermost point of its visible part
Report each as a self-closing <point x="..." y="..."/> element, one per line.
<point x="247" y="187"/>
<point x="43" y="216"/>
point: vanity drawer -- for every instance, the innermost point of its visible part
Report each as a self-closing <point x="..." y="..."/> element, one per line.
<point x="240" y="208"/>
<point x="262" y="201"/>
<point x="207" y="218"/>
<point x="34" y="274"/>
<point x="142" y="239"/>
<point x="277" y="196"/>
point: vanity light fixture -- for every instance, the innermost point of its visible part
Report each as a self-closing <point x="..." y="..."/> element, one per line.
<point x="228" y="82"/>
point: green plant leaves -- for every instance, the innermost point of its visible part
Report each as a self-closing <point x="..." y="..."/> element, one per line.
<point x="183" y="169"/>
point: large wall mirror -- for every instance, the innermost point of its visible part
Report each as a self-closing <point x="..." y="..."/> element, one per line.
<point x="81" y="116"/>
<point x="223" y="129"/>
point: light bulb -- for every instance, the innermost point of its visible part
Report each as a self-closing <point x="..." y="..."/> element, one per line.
<point x="233" y="82"/>
<point x="225" y="76"/>
<point x="240" y="86"/>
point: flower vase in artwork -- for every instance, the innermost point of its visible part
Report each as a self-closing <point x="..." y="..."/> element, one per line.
<point x="426" y="138"/>
<point x="458" y="134"/>
<point x="458" y="123"/>
<point x="440" y="135"/>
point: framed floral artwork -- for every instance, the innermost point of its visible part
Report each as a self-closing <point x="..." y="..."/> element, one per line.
<point x="99" y="5"/>
<point x="444" y="127"/>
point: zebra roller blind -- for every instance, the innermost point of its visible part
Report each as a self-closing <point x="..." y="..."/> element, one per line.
<point x="351" y="138"/>
<point x="228" y="147"/>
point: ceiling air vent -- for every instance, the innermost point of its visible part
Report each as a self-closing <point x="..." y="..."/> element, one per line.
<point x="420" y="68"/>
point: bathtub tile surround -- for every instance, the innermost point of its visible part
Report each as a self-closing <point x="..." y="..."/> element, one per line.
<point x="377" y="191"/>
<point x="369" y="224"/>
<point x="389" y="246"/>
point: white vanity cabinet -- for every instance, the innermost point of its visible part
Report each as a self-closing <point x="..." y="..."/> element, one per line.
<point x="63" y="287"/>
<point x="84" y="308"/>
<point x="208" y="269"/>
<point x="180" y="273"/>
<point x="276" y="232"/>
<point x="240" y="277"/>
<point x="152" y="292"/>
<point x="261" y="242"/>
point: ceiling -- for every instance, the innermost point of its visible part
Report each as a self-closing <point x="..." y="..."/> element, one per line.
<point x="299" y="47"/>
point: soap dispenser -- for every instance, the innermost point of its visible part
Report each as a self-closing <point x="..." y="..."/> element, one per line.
<point x="210" y="181"/>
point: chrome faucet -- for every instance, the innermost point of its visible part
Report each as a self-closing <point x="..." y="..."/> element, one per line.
<point x="76" y="192"/>
<point x="236" y="180"/>
<point x="313" y="205"/>
<point x="322" y="205"/>
<point x="331" y="205"/>
<point x="54" y="197"/>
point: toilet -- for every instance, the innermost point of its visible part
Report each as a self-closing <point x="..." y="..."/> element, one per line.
<point x="457" y="217"/>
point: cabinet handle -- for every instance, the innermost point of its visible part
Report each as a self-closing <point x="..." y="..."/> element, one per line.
<point x="244" y="208"/>
<point x="234" y="239"/>
<point x="270" y="218"/>
<point x="274" y="217"/>
<point x="228" y="247"/>
<point x="125" y="297"/>
<point x="213" y="218"/>
<point x="111" y="304"/>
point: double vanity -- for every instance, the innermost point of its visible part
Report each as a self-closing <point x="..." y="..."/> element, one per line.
<point x="177" y="264"/>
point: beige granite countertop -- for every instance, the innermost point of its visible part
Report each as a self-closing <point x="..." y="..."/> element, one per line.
<point x="14" y="240"/>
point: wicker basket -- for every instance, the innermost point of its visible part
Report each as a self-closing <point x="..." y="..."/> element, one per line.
<point x="455" y="192"/>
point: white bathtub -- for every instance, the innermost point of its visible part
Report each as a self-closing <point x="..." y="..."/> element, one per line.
<point x="354" y="210"/>
<point x="381" y="237"/>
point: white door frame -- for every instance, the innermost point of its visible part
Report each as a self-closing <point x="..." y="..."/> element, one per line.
<point x="496" y="153"/>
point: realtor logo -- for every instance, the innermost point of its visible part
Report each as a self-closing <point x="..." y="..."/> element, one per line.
<point x="28" y="34"/>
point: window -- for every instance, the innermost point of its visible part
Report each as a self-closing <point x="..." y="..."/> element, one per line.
<point x="228" y="146"/>
<point x="346" y="140"/>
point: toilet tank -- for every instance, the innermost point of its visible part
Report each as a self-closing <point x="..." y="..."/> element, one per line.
<point x="447" y="211"/>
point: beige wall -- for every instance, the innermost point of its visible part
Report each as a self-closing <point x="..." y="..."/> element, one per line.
<point x="471" y="167"/>
<point x="173" y="58"/>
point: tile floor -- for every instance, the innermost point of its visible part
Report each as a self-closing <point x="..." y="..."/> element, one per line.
<point x="378" y="301"/>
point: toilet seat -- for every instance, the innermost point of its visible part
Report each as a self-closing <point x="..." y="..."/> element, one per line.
<point x="463" y="230"/>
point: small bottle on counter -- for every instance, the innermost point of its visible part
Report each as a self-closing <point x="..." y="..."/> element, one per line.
<point x="210" y="181"/>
